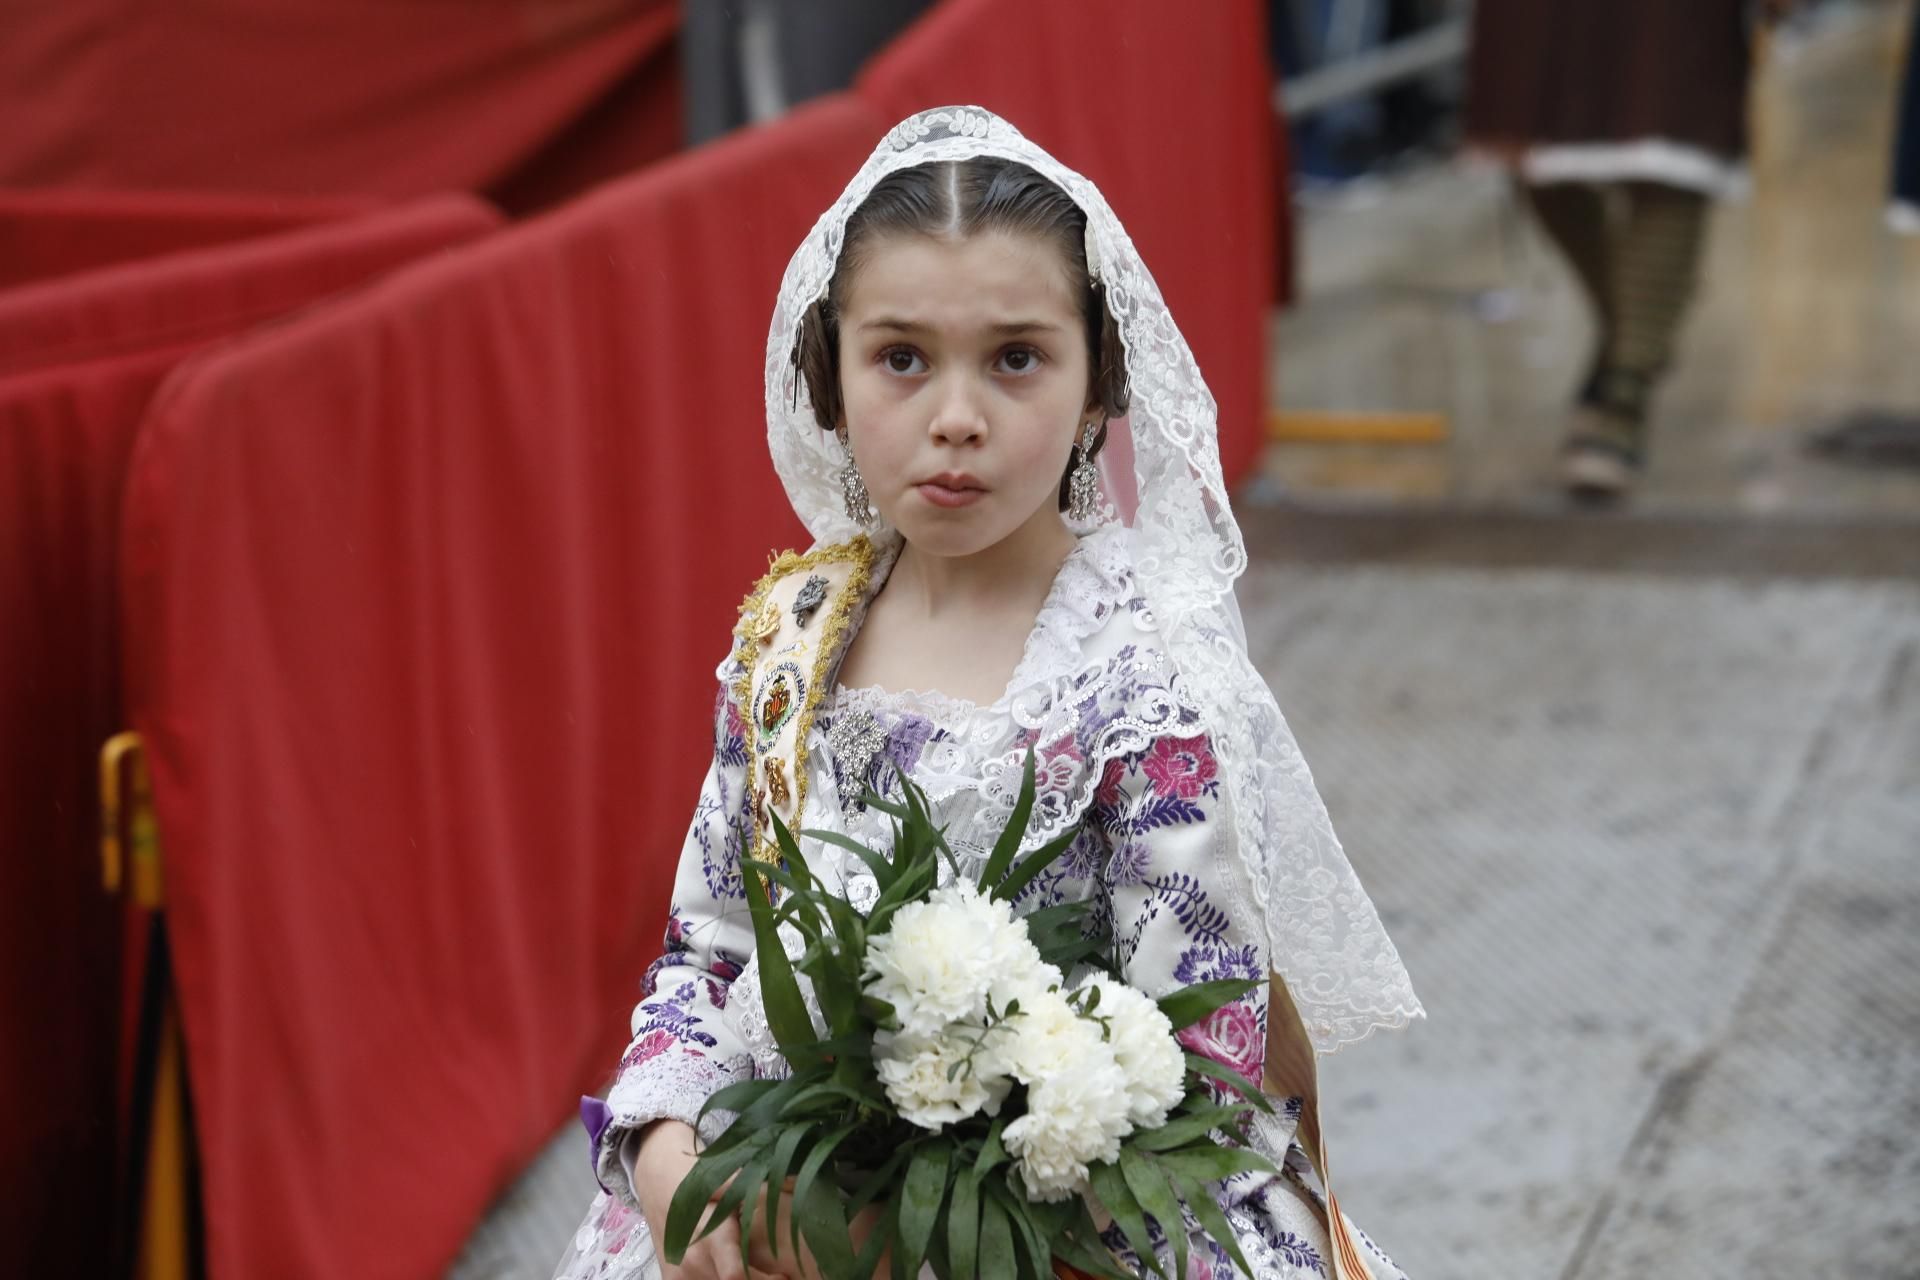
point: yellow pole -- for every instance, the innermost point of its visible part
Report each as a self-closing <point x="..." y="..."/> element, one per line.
<point x="130" y="857"/>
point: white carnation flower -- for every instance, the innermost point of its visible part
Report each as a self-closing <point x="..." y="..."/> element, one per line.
<point x="1074" y="1119"/>
<point x="1143" y="1045"/>
<point x="918" y="1072"/>
<point x="1049" y="1037"/>
<point x="941" y="959"/>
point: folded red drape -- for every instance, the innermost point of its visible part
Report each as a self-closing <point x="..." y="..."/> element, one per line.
<point x="427" y="585"/>
<point x="66" y="433"/>
<point x="49" y="232"/>
<point x="187" y="297"/>
<point x="336" y="97"/>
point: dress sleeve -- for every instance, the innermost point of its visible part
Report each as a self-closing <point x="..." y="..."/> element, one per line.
<point x="683" y="1048"/>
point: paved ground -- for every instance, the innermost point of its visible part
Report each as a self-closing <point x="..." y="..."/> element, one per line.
<point x="1651" y="847"/>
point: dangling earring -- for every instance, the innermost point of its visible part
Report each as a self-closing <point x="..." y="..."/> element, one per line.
<point x="853" y="489"/>
<point x="1083" y="486"/>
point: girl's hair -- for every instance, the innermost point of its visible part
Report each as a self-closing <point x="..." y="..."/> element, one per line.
<point x="959" y="198"/>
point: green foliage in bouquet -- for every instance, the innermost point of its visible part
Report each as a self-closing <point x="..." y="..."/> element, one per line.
<point x="830" y="1137"/>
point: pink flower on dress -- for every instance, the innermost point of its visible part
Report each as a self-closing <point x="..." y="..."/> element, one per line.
<point x="1199" y="1267"/>
<point x="650" y="1045"/>
<point x="1182" y="767"/>
<point x="1231" y="1037"/>
<point x="1107" y="794"/>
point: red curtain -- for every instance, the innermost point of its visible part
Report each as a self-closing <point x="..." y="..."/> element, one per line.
<point x="426" y="585"/>
<point x="183" y="299"/>
<point x="51" y="233"/>
<point x="527" y="99"/>
<point x="1165" y="107"/>
<point x="66" y="432"/>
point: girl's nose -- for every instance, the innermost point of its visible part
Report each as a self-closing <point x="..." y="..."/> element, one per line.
<point x="958" y="417"/>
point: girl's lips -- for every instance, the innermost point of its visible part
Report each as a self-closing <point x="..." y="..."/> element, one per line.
<point x="942" y="495"/>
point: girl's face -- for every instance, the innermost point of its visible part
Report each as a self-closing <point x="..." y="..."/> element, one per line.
<point x="963" y="371"/>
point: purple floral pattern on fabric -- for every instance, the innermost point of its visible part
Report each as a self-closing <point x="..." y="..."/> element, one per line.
<point x="1214" y="963"/>
<point x="1297" y="1251"/>
<point x="907" y="738"/>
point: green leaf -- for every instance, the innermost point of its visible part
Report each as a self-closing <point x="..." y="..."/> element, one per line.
<point x="739" y="1098"/>
<point x="790" y="850"/>
<point x="1060" y="933"/>
<point x="880" y="804"/>
<point x="883" y="872"/>
<point x="997" y="1258"/>
<point x="1035" y="1249"/>
<point x="822" y="1217"/>
<point x="879" y="1180"/>
<point x="695" y="1192"/>
<point x="779" y="990"/>
<point x="1084" y="1247"/>
<point x="1184" y="1129"/>
<point x="963" y="1228"/>
<point x="1151" y="1188"/>
<point x="993" y="1152"/>
<point x="740" y="1199"/>
<point x="1008" y="845"/>
<point x="1212" y="1220"/>
<point x="1190" y="1004"/>
<point x="921" y="1196"/>
<point x="1205" y="1066"/>
<point x="1034" y="863"/>
<point x="1111" y="1186"/>
<point x="826" y="1091"/>
<point x="1210" y="1162"/>
<point x="868" y="1263"/>
<point x="816" y="1159"/>
<point x="778" y="1166"/>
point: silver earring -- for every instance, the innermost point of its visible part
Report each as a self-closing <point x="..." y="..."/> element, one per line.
<point x="853" y="489"/>
<point x="1083" y="487"/>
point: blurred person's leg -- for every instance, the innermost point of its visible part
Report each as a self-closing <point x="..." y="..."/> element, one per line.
<point x="1574" y="216"/>
<point x="1653" y="261"/>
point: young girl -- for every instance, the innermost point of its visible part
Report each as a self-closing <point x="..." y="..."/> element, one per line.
<point x="985" y="416"/>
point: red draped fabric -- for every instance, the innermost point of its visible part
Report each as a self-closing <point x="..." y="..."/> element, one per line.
<point x="182" y="299"/>
<point x="67" y="428"/>
<point x="427" y="586"/>
<point x="337" y="97"/>
<point x="56" y="232"/>
<point x="1165" y="107"/>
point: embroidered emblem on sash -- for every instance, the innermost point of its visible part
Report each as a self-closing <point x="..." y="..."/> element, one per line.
<point x="786" y="659"/>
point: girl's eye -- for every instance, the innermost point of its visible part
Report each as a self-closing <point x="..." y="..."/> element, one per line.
<point x="1020" y="359"/>
<point x="902" y="360"/>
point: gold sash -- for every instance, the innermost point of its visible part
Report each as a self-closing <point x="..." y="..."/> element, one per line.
<point x="791" y="632"/>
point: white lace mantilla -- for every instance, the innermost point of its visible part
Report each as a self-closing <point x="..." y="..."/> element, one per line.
<point x="1160" y="576"/>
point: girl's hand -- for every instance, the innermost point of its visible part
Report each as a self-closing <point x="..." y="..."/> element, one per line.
<point x="665" y="1157"/>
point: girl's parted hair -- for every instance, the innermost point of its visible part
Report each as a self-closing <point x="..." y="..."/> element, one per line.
<point x="960" y="198"/>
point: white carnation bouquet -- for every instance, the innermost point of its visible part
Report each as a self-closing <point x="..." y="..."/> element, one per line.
<point x="980" y="1087"/>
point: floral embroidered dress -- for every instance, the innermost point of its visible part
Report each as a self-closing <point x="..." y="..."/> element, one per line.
<point x="1150" y="791"/>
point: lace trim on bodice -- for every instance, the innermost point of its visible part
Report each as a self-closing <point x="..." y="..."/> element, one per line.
<point x="1092" y="684"/>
